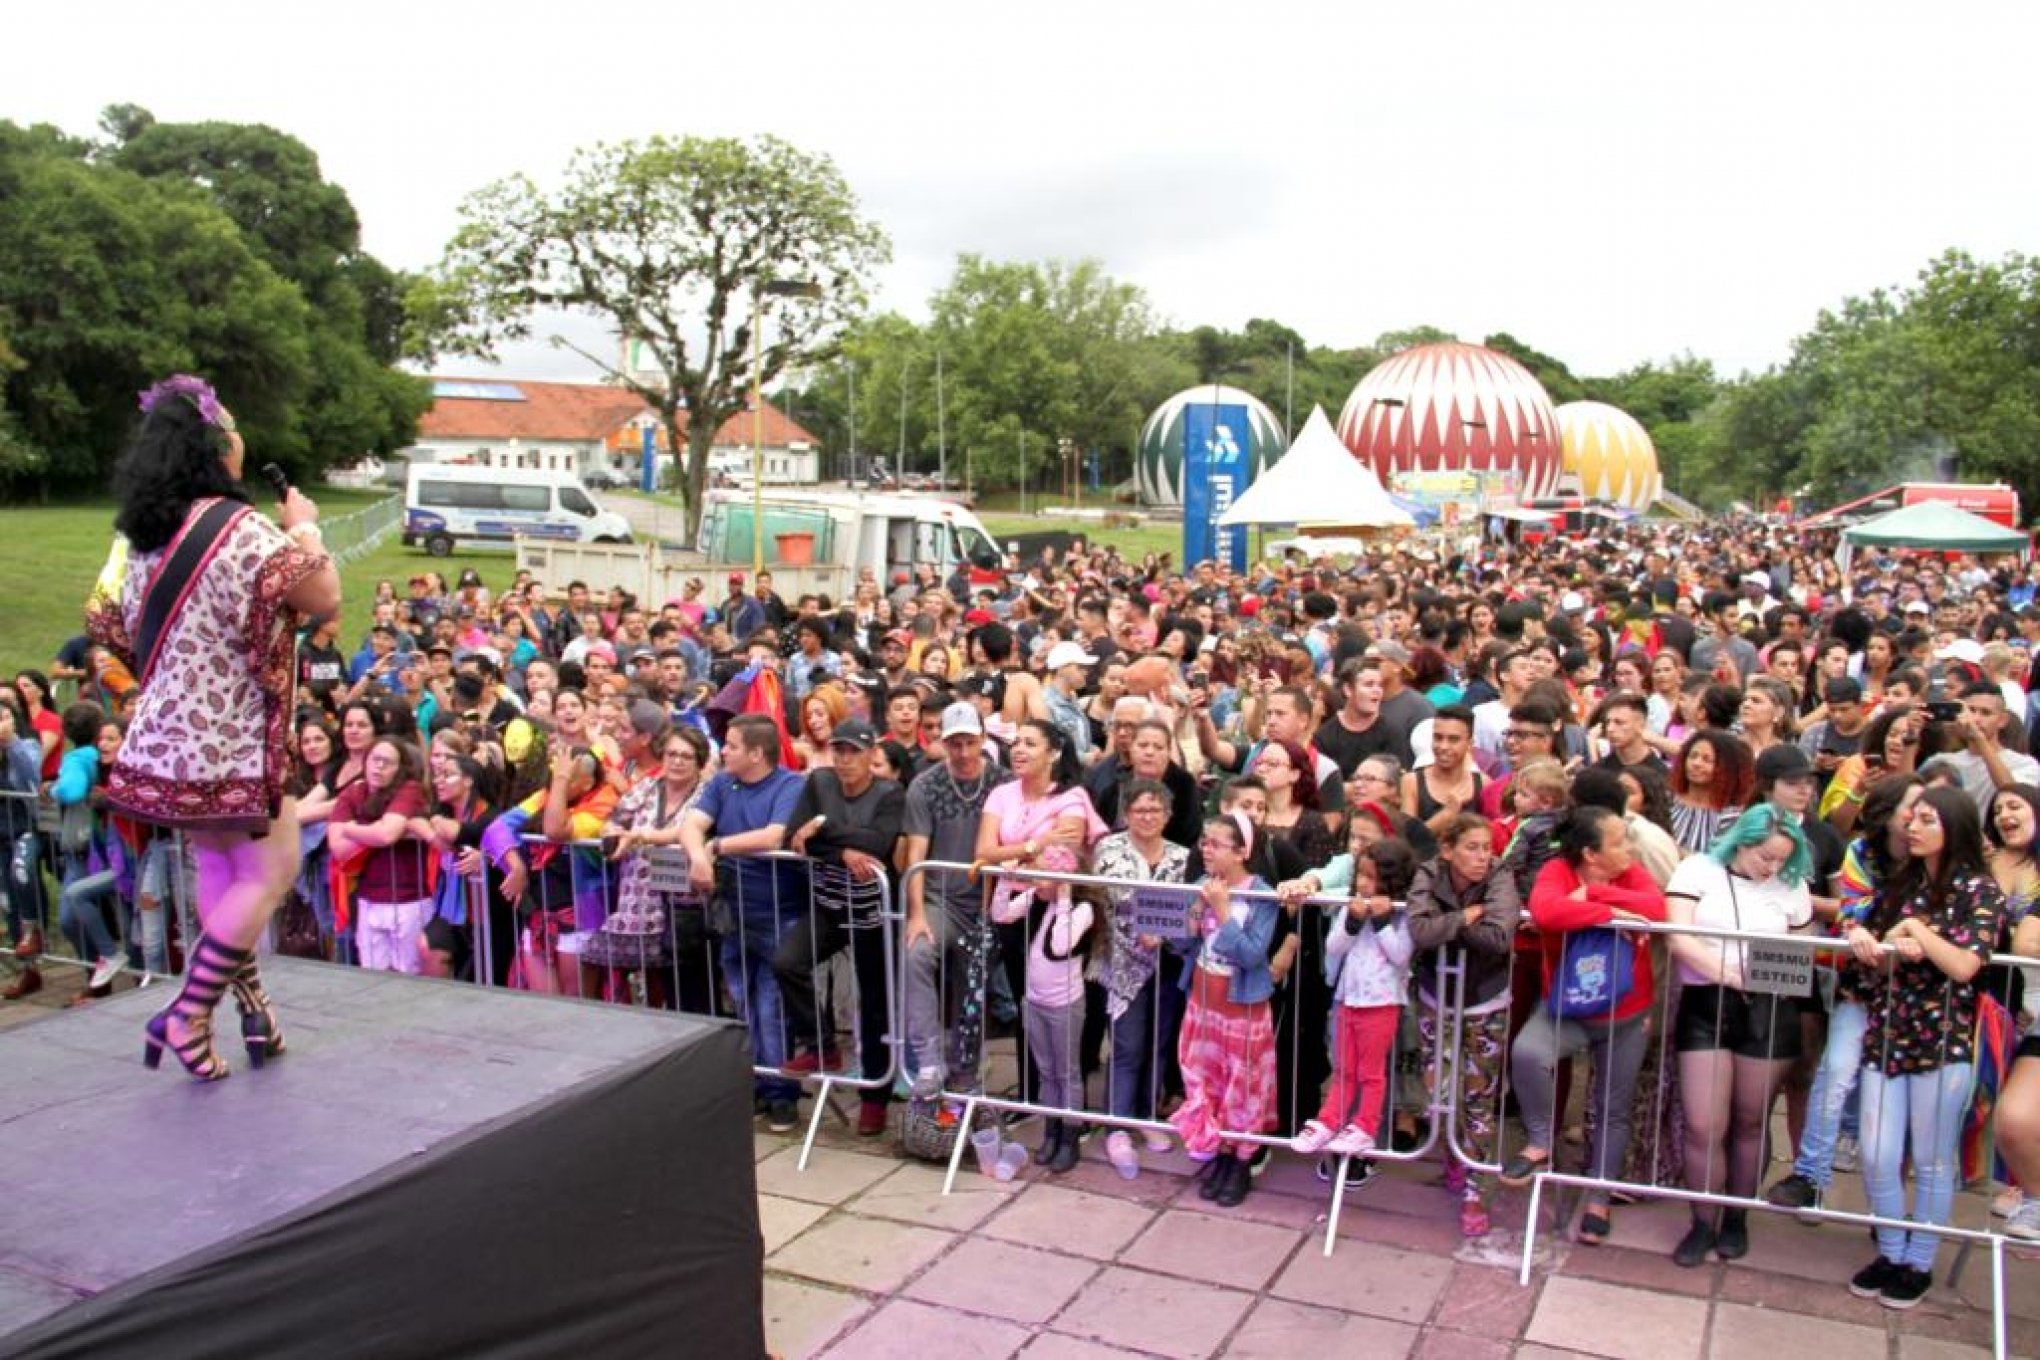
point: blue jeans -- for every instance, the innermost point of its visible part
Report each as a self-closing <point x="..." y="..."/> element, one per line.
<point x="79" y="914"/>
<point x="1130" y="1086"/>
<point x="754" y="989"/>
<point x="1930" y="1106"/>
<point x="1841" y="1064"/>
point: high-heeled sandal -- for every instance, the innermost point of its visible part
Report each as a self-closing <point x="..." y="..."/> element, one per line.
<point x="213" y="967"/>
<point x="261" y="1032"/>
<point x="195" y="1053"/>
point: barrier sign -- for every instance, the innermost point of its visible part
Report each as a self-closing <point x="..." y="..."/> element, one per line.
<point x="666" y="869"/>
<point x="1778" y="969"/>
<point x="1166" y="916"/>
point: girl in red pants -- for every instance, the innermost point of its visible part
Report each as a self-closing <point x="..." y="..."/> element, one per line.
<point x="1367" y="961"/>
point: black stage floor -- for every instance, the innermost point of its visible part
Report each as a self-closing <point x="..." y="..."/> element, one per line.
<point x="433" y="1169"/>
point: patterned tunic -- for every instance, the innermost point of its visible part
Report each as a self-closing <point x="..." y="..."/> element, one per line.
<point x="205" y="749"/>
<point x="1921" y="1019"/>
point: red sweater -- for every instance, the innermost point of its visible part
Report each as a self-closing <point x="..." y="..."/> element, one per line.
<point x="1555" y="911"/>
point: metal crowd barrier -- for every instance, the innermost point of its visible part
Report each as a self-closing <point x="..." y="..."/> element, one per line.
<point x="566" y="937"/>
<point x="1438" y="1103"/>
<point x="1784" y="968"/>
<point x="73" y="860"/>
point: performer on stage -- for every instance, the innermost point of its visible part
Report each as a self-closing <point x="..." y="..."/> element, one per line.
<point x="201" y="599"/>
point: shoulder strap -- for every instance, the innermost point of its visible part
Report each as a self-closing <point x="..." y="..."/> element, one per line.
<point x="178" y="573"/>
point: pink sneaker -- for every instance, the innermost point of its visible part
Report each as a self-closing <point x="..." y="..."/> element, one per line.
<point x="1312" y="1139"/>
<point x="1473" y="1219"/>
<point x="1351" y="1141"/>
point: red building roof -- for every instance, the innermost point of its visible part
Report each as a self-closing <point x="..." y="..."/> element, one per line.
<point x="488" y="408"/>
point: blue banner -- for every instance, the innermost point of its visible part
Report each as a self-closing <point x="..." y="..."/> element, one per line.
<point x="648" y="462"/>
<point x="1216" y="470"/>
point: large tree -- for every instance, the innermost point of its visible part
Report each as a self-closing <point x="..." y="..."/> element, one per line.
<point x="355" y="401"/>
<point x="107" y="282"/>
<point x="677" y="244"/>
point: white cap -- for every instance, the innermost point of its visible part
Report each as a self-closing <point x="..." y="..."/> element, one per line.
<point x="961" y="719"/>
<point x="1420" y="745"/>
<point x="1572" y="602"/>
<point x="1761" y="580"/>
<point x="1067" y="654"/>
<point x="1962" y="649"/>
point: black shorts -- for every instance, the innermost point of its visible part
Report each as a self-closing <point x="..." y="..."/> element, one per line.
<point x="1748" y="1025"/>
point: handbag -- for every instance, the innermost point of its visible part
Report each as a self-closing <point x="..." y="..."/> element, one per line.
<point x="297" y="929"/>
<point x="1595" y="974"/>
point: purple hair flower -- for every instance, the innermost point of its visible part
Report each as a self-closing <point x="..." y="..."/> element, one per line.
<point x="197" y="390"/>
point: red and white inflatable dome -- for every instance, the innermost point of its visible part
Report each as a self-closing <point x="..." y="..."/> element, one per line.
<point x="1454" y="408"/>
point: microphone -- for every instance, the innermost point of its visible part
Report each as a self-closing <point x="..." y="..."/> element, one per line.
<point x="278" y="481"/>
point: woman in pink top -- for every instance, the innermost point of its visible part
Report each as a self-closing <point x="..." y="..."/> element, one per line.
<point x="1043" y="819"/>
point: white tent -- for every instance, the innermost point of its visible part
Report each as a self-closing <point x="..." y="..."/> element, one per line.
<point x="1318" y="481"/>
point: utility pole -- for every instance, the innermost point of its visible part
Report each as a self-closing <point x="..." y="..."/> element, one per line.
<point x="941" y="428"/>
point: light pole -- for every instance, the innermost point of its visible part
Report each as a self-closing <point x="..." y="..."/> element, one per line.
<point x="800" y="288"/>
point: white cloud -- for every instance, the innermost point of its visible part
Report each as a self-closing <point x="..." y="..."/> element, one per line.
<point x="1608" y="182"/>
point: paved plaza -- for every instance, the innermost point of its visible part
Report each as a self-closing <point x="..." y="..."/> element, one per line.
<point x="866" y="1257"/>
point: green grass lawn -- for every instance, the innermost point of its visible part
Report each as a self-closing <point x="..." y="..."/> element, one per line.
<point x="50" y="555"/>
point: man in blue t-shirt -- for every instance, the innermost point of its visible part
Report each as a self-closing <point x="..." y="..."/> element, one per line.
<point x="744" y="812"/>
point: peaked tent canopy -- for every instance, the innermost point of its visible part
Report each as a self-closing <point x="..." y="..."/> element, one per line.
<point x="1318" y="481"/>
<point x="1938" y="526"/>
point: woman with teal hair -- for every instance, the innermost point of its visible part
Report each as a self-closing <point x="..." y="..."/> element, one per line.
<point x="1735" y="1040"/>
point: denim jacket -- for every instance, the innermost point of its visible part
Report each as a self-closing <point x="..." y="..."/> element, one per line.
<point x="1242" y="941"/>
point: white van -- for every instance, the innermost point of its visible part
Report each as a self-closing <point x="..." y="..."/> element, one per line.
<point x="446" y="502"/>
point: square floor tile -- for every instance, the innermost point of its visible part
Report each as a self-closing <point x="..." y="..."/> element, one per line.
<point x="1154" y="1313"/>
<point x="913" y="1194"/>
<point x="1070" y="1220"/>
<point x="1004" y="1279"/>
<point x="1212" y="1247"/>
<point x="782" y="1220"/>
<point x="801" y="1318"/>
<point x="863" y="1253"/>
<point x="831" y="1176"/>
<point x="1741" y="1332"/>
<point x="1363" y="1277"/>
<point x="1606" y="1319"/>
<point x="1056" y="1346"/>
<point x="1280" y="1330"/>
<point x="904" y="1328"/>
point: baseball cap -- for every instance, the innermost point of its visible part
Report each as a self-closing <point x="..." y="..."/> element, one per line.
<point x="1393" y="652"/>
<point x="903" y="636"/>
<point x="856" y="732"/>
<point x="961" y="719"/>
<point x="1784" y="761"/>
<point x="736" y="578"/>
<point x="1962" y="649"/>
<point x="1917" y="607"/>
<point x="1068" y="654"/>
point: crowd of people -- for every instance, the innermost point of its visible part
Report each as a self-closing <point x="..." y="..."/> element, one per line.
<point x="1284" y="824"/>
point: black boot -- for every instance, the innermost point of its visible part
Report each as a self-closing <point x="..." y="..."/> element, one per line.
<point x="1732" y="1243"/>
<point x="1694" y="1246"/>
<point x="1216" y="1175"/>
<point x="1067" y="1151"/>
<point x="1051" y="1143"/>
<point x="1239" y="1179"/>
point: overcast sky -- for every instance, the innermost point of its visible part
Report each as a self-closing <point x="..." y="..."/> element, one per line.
<point x="1609" y="182"/>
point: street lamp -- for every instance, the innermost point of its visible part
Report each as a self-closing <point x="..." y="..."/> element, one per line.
<point x="800" y="288"/>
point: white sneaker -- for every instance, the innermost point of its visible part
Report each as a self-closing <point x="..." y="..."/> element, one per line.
<point x="1351" y="1141"/>
<point x="1156" y="1141"/>
<point x="106" y="971"/>
<point x="1847" y="1154"/>
<point x="2007" y="1201"/>
<point x="928" y="1082"/>
<point x="2024" y="1223"/>
<point x="1311" y="1139"/>
<point x="1119" y="1151"/>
